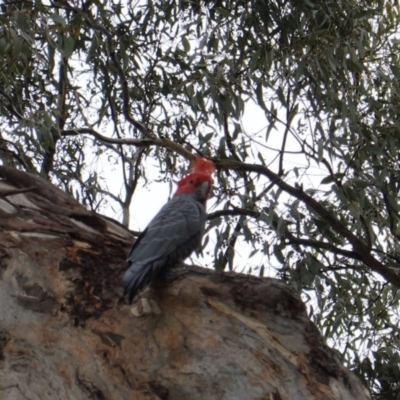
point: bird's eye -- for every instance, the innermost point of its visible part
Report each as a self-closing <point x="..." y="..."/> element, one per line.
<point x="191" y="182"/>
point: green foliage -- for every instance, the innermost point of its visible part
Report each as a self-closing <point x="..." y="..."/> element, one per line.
<point x="314" y="192"/>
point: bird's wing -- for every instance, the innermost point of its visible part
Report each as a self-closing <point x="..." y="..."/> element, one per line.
<point x="174" y="232"/>
<point x="176" y="223"/>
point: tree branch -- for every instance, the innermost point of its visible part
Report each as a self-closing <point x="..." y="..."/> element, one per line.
<point x="132" y="183"/>
<point x="228" y="139"/>
<point x="316" y="244"/>
<point x="285" y="134"/>
<point x="363" y="252"/>
<point x="48" y="159"/>
<point x="153" y="141"/>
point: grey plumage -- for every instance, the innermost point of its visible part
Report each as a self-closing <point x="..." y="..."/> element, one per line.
<point x="172" y="235"/>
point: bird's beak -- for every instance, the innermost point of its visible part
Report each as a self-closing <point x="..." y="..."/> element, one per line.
<point x="204" y="188"/>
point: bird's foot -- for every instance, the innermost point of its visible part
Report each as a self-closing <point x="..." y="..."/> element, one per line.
<point x="144" y="307"/>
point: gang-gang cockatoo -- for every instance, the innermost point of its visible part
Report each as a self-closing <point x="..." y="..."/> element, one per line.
<point x="174" y="233"/>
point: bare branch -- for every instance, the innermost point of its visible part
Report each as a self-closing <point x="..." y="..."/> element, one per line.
<point x="230" y="250"/>
<point x="285" y="134"/>
<point x="153" y="141"/>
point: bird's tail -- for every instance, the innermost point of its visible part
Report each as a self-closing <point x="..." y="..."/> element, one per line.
<point x="135" y="278"/>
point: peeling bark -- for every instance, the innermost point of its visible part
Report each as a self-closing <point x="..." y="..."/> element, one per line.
<point x="65" y="332"/>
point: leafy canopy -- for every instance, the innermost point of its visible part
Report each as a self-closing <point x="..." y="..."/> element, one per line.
<point x="315" y="191"/>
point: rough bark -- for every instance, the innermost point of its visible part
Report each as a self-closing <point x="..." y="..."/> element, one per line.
<point x="65" y="332"/>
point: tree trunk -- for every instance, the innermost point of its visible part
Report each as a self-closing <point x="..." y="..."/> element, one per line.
<point x="65" y="332"/>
